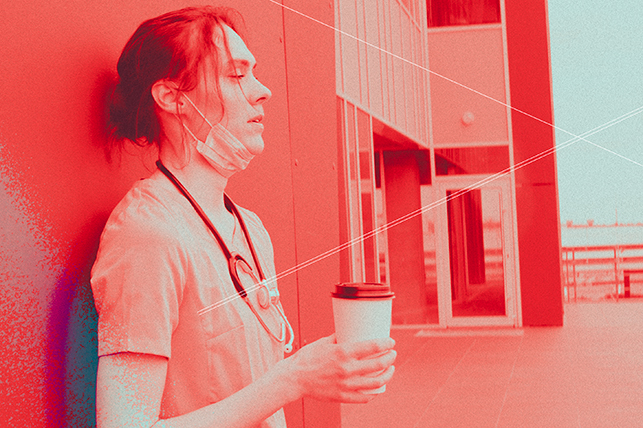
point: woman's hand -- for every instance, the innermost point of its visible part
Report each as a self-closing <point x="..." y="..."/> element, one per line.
<point x="329" y="371"/>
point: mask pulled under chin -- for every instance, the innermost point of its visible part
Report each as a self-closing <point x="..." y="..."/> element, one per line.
<point x="225" y="153"/>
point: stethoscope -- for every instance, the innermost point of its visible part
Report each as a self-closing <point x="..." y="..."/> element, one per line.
<point x="266" y="296"/>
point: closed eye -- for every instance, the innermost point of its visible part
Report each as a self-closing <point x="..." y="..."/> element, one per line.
<point x="240" y="68"/>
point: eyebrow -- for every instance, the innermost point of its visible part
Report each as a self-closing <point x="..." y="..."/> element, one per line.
<point x="238" y="63"/>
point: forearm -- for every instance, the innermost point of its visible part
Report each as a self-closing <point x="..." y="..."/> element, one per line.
<point x="245" y="408"/>
<point x="130" y="386"/>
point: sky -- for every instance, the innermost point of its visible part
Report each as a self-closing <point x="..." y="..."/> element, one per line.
<point x="597" y="72"/>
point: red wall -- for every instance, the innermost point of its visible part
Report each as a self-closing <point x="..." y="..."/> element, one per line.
<point x="310" y="64"/>
<point x="57" y="189"/>
<point x="475" y="59"/>
<point x="536" y="185"/>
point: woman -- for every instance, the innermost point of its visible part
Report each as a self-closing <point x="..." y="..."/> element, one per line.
<point x="169" y="356"/>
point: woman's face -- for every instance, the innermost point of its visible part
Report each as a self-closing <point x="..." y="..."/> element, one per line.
<point x="242" y="95"/>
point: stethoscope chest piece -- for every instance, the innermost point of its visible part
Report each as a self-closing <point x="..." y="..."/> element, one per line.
<point x="267" y="296"/>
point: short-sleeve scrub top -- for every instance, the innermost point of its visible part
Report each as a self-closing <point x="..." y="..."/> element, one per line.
<point x="157" y="266"/>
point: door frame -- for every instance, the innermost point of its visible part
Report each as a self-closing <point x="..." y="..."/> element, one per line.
<point x="510" y="262"/>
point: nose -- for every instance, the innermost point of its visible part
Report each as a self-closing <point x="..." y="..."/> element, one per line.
<point x="261" y="93"/>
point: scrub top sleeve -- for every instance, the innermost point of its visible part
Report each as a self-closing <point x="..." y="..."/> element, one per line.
<point x="138" y="281"/>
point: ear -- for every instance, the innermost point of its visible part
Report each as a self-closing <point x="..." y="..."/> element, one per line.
<point x="167" y="96"/>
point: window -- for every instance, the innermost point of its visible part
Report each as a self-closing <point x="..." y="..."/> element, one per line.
<point x="442" y="13"/>
<point x="358" y="198"/>
<point x="471" y="160"/>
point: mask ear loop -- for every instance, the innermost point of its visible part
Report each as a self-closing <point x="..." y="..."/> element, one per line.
<point x="198" y="111"/>
<point x="202" y="115"/>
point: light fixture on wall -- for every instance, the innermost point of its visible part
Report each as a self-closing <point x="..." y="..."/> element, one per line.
<point x="468" y="118"/>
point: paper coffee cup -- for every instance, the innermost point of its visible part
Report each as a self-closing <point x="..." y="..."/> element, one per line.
<point x="362" y="311"/>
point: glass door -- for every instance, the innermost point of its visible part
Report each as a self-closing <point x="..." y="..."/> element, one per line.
<point x="474" y="237"/>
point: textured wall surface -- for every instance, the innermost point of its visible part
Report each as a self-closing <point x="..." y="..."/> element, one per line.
<point x="57" y="189"/>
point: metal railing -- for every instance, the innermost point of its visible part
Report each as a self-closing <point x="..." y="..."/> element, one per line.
<point x="598" y="269"/>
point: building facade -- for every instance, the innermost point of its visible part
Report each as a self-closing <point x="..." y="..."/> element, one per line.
<point x="433" y="157"/>
<point x="359" y="135"/>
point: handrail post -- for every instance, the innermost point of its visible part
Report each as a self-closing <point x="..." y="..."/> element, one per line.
<point x="574" y="271"/>
<point x="616" y="278"/>
<point x="565" y="257"/>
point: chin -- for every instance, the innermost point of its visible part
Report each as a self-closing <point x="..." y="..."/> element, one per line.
<point x="255" y="145"/>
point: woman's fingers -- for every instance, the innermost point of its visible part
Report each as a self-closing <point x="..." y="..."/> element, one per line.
<point x="370" y="357"/>
<point x="355" y="397"/>
<point x="359" y="383"/>
<point x="369" y="348"/>
<point x="368" y="366"/>
<point x="338" y="372"/>
<point x="378" y="363"/>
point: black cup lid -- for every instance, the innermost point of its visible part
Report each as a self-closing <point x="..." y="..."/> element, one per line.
<point x="362" y="290"/>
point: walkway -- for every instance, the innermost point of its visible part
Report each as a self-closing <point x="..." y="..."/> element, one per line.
<point x="586" y="374"/>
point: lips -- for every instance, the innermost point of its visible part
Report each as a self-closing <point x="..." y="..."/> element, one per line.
<point x="256" y="119"/>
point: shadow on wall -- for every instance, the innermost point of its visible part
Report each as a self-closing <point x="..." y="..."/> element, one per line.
<point x="56" y="192"/>
<point x="71" y="358"/>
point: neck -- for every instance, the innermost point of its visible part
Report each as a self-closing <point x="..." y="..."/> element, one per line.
<point x="203" y="182"/>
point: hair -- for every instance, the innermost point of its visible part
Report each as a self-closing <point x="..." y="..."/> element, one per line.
<point x="174" y="46"/>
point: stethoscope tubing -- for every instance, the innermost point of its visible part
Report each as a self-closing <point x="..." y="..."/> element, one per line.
<point x="232" y="258"/>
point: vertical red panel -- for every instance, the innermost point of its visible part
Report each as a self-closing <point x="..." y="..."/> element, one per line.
<point x="310" y="65"/>
<point x="536" y="187"/>
<point x="405" y="241"/>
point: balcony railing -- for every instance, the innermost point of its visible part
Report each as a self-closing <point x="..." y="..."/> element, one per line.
<point x="598" y="272"/>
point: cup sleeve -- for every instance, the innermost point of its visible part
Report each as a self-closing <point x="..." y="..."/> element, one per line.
<point x="138" y="281"/>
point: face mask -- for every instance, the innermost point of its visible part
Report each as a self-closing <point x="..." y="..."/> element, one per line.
<point x="221" y="149"/>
